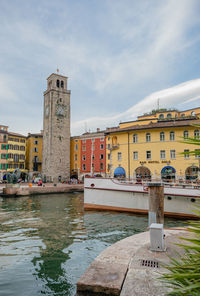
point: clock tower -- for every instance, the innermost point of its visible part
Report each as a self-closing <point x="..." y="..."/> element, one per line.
<point x="56" y="126"/>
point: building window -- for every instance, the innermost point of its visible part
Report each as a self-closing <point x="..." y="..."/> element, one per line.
<point x="162" y="136"/>
<point x="62" y="84"/>
<point x="185" y="134"/>
<point x="101" y="166"/>
<point x="173" y="154"/>
<point x="135" y="138"/>
<point x="35" y="142"/>
<point x="172" y="136"/>
<point x="58" y="83"/>
<point x="84" y="167"/>
<point x="35" y="149"/>
<point x="22" y="148"/>
<point x="135" y="155"/>
<point x="108" y="156"/>
<point x="101" y="156"/>
<point x="108" y="146"/>
<point x="197" y="153"/>
<point x="84" y="158"/>
<point x="76" y="147"/>
<point x="3" y="166"/>
<point x="75" y="156"/>
<point x="16" y="158"/>
<point x="84" y="141"/>
<point x="161" y="116"/>
<point x="101" y="139"/>
<point x="148" y="154"/>
<point x="83" y="148"/>
<point x="196" y="134"/>
<point x="162" y="154"/>
<point x="4" y="147"/>
<point x="108" y="167"/>
<point x="93" y="140"/>
<point x="3" y="156"/>
<point x="186" y="153"/>
<point x="148" y="137"/>
<point x="101" y="146"/>
<point x="119" y="156"/>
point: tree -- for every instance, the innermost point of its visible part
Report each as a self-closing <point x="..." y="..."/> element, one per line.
<point x="184" y="273"/>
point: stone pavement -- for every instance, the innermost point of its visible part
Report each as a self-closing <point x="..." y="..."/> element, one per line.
<point x="119" y="270"/>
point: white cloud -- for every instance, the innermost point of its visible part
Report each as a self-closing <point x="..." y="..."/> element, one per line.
<point x="168" y="98"/>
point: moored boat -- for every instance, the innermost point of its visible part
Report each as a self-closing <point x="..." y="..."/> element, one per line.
<point x="112" y="194"/>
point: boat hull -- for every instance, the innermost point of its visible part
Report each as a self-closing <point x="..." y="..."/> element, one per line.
<point x="109" y="194"/>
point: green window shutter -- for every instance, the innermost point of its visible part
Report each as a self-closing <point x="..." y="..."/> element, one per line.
<point x="6" y="147"/>
<point x="1" y="166"/>
<point x="1" y="146"/>
<point x="1" y="155"/>
<point x="6" y="166"/>
<point x="7" y="156"/>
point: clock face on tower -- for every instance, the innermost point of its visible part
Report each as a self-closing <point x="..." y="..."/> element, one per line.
<point x="61" y="110"/>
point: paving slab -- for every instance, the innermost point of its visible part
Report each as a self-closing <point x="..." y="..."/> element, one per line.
<point x="118" y="270"/>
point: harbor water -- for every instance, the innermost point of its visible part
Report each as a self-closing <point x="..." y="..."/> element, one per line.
<point x="47" y="242"/>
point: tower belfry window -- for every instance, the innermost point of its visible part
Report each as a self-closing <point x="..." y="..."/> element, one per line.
<point x="62" y="84"/>
<point x="58" y="83"/>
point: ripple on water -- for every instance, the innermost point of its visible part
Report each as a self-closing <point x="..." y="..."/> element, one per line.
<point x="47" y="242"/>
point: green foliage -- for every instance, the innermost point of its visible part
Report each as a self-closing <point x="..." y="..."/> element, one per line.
<point x="184" y="272"/>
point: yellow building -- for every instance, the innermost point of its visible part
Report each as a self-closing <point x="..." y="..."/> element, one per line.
<point x="75" y="156"/>
<point x="151" y="147"/>
<point x="16" y="152"/>
<point x="34" y="153"/>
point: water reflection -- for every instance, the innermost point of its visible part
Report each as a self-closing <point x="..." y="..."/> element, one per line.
<point x="48" y="241"/>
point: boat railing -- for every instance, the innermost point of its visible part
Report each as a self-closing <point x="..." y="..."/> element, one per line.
<point x="192" y="185"/>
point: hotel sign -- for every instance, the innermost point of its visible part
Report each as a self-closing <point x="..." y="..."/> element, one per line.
<point x="155" y="161"/>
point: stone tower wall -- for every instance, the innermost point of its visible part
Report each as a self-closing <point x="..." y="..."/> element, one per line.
<point x="56" y="124"/>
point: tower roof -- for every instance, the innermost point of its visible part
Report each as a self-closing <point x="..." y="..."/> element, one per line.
<point x="57" y="75"/>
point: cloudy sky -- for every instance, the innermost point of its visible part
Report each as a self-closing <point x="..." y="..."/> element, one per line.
<point x="120" y="56"/>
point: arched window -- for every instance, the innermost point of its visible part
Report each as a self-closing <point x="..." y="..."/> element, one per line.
<point x="185" y="134"/>
<point x="169" y="115"/>
<point x="135" y="138"/>
<point x="162" y="136"/>
<point x="161" y="116"/>
<point x="196" y="134"/>
<point x="172" y="136"/>
<point x="183" y="115"/>
<point x="148" y="137"/>
<point x="62" y="84"/>
<point x="58" y="83"/>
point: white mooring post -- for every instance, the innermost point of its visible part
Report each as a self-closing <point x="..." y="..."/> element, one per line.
<point x="157" y="237"/>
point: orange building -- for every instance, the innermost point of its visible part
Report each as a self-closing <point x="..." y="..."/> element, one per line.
<point x="75" y="156"/>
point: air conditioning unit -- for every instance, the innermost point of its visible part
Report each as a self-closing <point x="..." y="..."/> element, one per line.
<point x="157" y="237"/>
